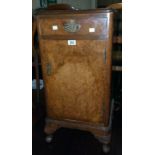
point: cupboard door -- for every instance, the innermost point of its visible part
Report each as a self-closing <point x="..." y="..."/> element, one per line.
<point x="76" y="79"/>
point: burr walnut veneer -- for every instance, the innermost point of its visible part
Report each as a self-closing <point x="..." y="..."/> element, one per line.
<point x="75" y="49"/>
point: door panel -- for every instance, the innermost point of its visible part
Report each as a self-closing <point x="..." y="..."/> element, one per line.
<point x="76" y="84"/>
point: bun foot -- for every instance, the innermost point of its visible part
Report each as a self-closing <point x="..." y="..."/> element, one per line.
<point x="106" y="148"/>
<point x="49" y="138"/>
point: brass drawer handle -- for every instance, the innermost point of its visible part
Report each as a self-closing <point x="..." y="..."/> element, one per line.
<point x="71" y="26"/>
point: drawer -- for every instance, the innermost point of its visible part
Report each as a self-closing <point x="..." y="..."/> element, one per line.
<point x="92" y="26"/>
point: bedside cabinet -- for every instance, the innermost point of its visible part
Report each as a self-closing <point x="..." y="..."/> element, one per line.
<point x="75" y="50"/>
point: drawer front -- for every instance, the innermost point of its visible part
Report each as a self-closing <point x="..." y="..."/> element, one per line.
<point x="92" y="26"/>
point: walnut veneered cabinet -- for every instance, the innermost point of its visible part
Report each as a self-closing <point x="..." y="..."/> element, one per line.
<point x="75" y="49"/>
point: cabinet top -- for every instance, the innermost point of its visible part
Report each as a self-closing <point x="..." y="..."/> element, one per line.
<point x="47" y="12"/>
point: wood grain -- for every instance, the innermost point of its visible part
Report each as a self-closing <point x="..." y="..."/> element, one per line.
<point x="78" y="82"/>
<point x="97" y="23"/>
<point x="78" y="88"/>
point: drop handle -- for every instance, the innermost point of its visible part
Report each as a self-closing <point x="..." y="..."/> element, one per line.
<point x="49" y="69"/>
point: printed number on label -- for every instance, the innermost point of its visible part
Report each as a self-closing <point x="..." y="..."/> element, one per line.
<point x="71" y="42"/>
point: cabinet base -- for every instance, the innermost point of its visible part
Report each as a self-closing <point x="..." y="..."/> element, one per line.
<point x="102" y="133"/>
